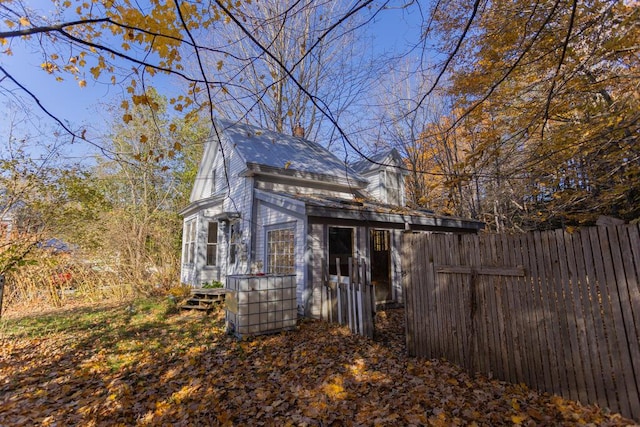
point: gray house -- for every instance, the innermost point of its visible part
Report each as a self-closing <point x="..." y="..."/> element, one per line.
<point x="268" y="203"/>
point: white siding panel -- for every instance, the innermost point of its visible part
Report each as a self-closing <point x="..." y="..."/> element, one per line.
<point x="239" y="192"/>
<point x="303" y="189"/>
<point x="316" y="258"/>
<point x="269" y="216"/>
<point x="387" y="186"/>
<point x="396" y="265"/>
<point x="375" y="185"/>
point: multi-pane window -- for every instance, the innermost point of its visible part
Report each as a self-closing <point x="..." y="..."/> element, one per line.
<point x="281" y="251"/>
<point x="380" y="240"/>
<point x="189" y="242"/>
<point x="212" y="243"/>
<point x="234" y="240"/>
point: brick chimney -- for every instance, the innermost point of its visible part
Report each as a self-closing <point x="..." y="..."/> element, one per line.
<point x="298" y="130"/>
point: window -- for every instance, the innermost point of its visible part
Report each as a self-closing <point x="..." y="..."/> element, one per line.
<point x="394" y="188"/>
<point x="392" y="183"/>
<point x="234" y="240"/>
<point x="212" y="243"/>
<point x="189" y="242"/>
<point x="213" y="181"/>
<point x="379" y="240"/>
<point x="281" y="251"/>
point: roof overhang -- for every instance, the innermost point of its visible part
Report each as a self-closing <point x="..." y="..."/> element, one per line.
<point x="226" y="216"/>
<point x="293" y="175"/>
<point x="201" y="204"/>
<point x="394" y="220"/>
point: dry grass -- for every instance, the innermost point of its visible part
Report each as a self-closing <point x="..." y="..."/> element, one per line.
<point x="53" y="283"/>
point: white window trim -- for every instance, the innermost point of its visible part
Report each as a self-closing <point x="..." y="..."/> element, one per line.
<point x="233" y="246"/>
<point x="189" y="244"/>
<point x="214" y="244"/>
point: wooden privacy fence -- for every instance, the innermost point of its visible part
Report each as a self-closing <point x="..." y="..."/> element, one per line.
<point x="558" y="311"/>
<point x="350" y="300"/>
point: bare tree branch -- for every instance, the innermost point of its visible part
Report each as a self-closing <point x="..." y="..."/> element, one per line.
<point x="565" y="45"/>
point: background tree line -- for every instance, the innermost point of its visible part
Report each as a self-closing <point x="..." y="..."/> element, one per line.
<point x="106" y="228"/>
<point x="537" y="123"/>
<point x="523" y="115"/>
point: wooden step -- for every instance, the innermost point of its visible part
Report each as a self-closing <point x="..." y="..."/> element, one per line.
<point x="208" y="297"/>
<point x="204" y="299"/>
<point x="208" y="291"/>
<point x="196" y="307"/>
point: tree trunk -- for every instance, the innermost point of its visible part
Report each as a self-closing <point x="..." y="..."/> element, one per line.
<point x="2" y="281"/>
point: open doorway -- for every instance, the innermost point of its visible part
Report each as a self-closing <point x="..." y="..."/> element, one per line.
<point x="340" y="246"/>
<point x="381" y="264"/>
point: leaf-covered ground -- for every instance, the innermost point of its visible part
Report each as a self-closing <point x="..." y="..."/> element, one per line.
<point x="137" y="365"/>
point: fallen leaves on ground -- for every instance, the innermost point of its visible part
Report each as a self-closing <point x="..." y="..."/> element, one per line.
<point x="137" y="366"/>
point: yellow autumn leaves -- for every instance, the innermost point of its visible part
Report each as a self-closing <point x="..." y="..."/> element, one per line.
<point x="23" y="21"/>
<point x="150" y="369"/>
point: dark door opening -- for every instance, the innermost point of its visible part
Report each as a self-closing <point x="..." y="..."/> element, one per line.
<point x="381" y="264"/>
<point x="340" y="246"/>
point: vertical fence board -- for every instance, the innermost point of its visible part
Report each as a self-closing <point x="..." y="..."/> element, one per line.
<point x="563" y="314"/>
<point x="595" y="270"/>
<point x="446" y="309"/>
<point x="440" y="308"/>
<point x="466" y="306"/>
<point x="423" y="331"/>
<point x="554" y="327"/>
<point x="570" y="325"/>
<point x="611" y="315"/>
<point x="351" y="296"/>
<point x="423" y="320"/>
<point x="479" y="318"/>
<point x="583" y="323"/>
<point x="503" y="368"/>
<point x="408" y="265"/>
<point x="491" y="314"/>
<point x="471" y="306"/>
<point x="455" y="294"/>
<point x="413" y="293"/>
<point x="583" y="355"/>
<point x="430" y="293"/>
<point x="533" y="244"/>
<point x="441" y="304"/>
<point x="568" y="316"/>
<point x="546" y="316"/>
<point x="535" y="345"/>
<point x="619" y="297"/>
<point x="523" y="314"/>
<point x="630" y="242"/>
<point x="515" y="309"/>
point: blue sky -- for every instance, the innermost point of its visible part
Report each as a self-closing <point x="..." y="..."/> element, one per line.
<point x="88" y="107"/>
